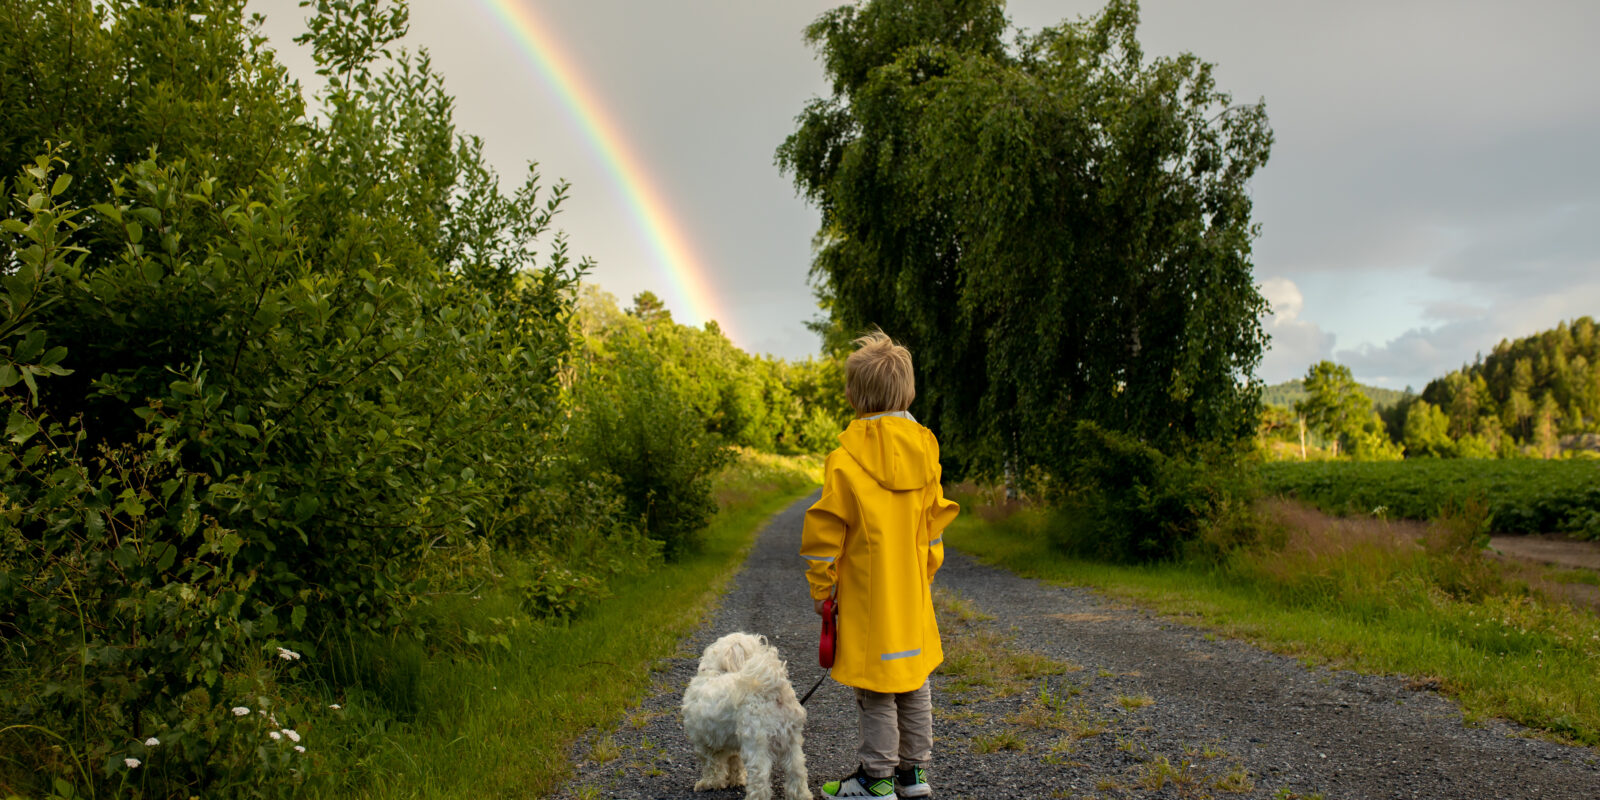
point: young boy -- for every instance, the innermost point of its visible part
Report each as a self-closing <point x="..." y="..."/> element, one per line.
<point x="873" y="543"/>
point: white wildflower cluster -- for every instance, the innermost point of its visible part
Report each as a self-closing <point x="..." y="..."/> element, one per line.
<point x="277" y="735"/>
<point x="291" y="735"/>
<point x="288" y="655"/>
<point x="134" y="763"/>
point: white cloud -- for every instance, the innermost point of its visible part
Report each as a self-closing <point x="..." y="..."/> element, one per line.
<point x="1427" y="352"/>
<point x="1296" y="343"/>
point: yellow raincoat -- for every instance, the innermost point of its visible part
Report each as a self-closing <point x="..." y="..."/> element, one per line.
<point x="874" y="539"/>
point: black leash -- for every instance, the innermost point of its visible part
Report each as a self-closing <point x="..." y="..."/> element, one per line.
<point x="813" y="688"/>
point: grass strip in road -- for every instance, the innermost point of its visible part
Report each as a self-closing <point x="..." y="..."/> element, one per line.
<point x="1511" y="655"/>
<point x="503" y="726"/>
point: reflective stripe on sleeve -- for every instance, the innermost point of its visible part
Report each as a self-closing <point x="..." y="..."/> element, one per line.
<point x="825" y="559"/>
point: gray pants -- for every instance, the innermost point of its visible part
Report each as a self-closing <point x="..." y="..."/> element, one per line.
<point x="896" y="730"/>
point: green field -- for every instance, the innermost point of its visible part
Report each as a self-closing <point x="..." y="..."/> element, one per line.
<point x="1523" y="496"/>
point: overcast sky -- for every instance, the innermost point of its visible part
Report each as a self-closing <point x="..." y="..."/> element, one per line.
<point x="1434" y="186"/>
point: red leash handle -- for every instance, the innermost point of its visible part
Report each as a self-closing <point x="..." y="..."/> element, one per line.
<point x="830" y="633"/>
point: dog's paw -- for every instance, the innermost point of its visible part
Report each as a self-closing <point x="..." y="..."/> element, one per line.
<point x="706" y="786"/>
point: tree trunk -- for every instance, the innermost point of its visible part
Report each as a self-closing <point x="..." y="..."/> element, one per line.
<point x="1302" y="438"/>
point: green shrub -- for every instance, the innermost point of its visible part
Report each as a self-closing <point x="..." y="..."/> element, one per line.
<point x="633" y="421"/>
<point x="820" y="432"/>
<point x="263" y="380"/>
<point x="1126" y="501"/>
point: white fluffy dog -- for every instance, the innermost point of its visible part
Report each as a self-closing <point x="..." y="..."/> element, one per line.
<point x="740" y="713"/>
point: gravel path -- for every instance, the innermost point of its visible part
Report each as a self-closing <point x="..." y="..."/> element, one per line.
<point x="1053" y="692"/>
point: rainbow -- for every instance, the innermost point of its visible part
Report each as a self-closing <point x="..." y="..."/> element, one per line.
<point x="687" y="274"/>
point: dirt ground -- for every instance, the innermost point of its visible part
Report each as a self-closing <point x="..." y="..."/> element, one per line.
<point x="1549" y="548"/>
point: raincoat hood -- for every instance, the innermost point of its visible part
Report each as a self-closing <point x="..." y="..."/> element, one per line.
<point x="894" y="450"/>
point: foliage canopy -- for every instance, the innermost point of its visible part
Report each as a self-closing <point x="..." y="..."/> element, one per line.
<point x="1059" y="229"/>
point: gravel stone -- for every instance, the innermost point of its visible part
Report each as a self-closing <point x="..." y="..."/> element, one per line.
<point x="1226" y="719"/>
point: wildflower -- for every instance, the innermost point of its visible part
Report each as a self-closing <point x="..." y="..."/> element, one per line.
<point x="240" y="711"/>
<point x="293" y="737"/>
<point x="152" y="742"/>
<point x="275" y="735"/>
<point x="335" y="706"/>
<point x="133" y="763"/>
<point x="288" y="655"/>
<point x="299" y="748"/>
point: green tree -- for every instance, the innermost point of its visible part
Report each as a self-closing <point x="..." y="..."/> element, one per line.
<point x="649" y="308"/>
<point x="1427" y="432"/>
<point x="1546" y="428"/>
<point x="1059" y="229"/>
<point x="1337" y="409"/>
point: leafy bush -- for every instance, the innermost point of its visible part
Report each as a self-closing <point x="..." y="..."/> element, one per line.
<point x="263" y="377"/>
<point x="1126" y="501"/>
<point x="633" y="421"/>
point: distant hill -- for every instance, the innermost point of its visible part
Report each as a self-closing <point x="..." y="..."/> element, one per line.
<point x="1285" y="394"/>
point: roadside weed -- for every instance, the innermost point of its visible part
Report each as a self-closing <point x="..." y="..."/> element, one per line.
<point x="1160" y="771"/>
<point x="1237" y="781"/>
<point x="1135" y="701"/>
<point x="995" y="742"/>
<point x="605" y="750"/>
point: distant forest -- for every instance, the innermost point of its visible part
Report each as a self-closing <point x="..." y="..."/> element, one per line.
<point x="1535" y="396"/>
<point x="1288" y="393"/>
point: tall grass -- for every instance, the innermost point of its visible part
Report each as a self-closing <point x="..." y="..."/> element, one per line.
<point x="1367" y="595"/>
<point x="497" y="716"/>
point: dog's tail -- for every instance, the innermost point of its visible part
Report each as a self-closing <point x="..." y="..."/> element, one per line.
<point x="768" y="674"/>
<point x="731" y="652"/>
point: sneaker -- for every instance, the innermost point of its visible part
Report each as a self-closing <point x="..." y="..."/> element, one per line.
<point x="859" y="785"/>
<point x="912" y="782"/>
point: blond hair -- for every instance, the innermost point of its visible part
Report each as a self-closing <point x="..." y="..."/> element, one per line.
<point x="877" y="376"/>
